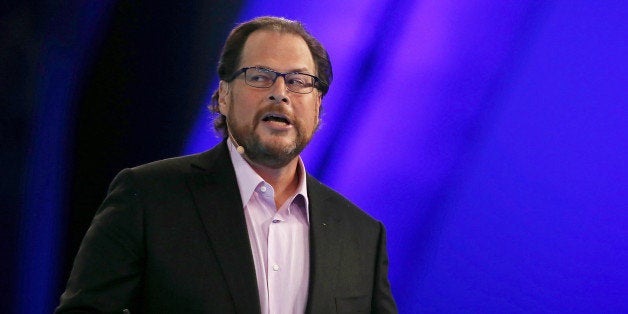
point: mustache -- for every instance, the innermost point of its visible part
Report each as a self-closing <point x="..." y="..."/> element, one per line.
<point x="274" y="108"/>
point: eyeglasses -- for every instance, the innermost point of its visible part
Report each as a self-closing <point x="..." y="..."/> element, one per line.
<point x="259" y="77"/>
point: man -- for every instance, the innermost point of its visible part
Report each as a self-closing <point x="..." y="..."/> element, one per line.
<point x="241" y="228"/>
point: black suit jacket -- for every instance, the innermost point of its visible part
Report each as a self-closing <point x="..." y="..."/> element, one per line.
<point x="171" y="237"/>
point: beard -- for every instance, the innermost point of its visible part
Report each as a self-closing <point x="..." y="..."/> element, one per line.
<point x="269" y="153"/>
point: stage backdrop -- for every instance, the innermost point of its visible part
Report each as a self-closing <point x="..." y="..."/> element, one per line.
<point x="490" y="137"/>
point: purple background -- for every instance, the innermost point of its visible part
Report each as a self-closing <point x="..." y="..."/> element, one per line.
<point x="489" y="136"/>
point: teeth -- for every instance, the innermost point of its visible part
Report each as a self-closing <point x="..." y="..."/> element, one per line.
<point x="272" y="117"/>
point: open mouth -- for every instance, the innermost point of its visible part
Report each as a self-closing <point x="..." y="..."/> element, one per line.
<point x="276" y="117"/>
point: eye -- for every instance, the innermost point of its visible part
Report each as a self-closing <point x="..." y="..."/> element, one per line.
<point x="259" y="76"/>
<point x="298" y="80"/>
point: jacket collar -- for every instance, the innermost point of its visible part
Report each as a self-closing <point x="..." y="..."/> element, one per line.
<point x="214" y="186"/>
<point x="219" y="205"/>
<point x="325" y="245"/>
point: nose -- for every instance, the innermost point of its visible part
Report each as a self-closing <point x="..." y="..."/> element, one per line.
<point x="278" y="92"/>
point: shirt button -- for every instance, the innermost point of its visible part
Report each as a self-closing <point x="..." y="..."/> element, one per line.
<point x="263" y="189"/>
<point x="275" y="267"/>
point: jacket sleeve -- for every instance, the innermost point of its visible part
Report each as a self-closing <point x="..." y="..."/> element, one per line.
<point x="107" y="270"/>
<point x="382" y="301"/>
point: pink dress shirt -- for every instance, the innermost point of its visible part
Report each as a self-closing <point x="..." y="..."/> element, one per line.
<point x="279" y="239"/>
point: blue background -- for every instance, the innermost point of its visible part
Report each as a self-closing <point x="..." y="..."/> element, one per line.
<point x="490" y="137"/>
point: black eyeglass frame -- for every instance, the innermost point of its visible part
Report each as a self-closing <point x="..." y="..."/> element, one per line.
<point x="277" y="74"/>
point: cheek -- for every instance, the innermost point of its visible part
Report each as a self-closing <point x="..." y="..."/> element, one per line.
<point x="310" y="118"/>
<point x="241" y="111"/>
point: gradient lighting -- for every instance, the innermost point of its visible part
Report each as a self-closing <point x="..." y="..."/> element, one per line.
<point x="65" y="48"/>
<point x="489" y="137"/>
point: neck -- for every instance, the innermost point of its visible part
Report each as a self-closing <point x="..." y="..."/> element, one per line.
<point x="284" y="180"/>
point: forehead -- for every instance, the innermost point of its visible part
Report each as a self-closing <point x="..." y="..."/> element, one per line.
<point x="279" y="51"/>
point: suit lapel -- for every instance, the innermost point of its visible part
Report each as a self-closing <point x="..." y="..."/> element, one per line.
<point x="325" y="246"/>
<point x="214" y="186"/>
<point x="217" y="197"/>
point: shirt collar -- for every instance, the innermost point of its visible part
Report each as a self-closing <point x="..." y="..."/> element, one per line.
<point x="249" y="180"/>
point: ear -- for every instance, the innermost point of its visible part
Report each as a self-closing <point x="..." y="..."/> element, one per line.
<point x="319" y="100"/>
<point x="223" y="99"/>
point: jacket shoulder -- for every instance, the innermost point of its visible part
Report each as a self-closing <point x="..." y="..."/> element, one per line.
<point x="215" y="157"/>
<point x="175" y="164"/>
<point x="319" y="192"/>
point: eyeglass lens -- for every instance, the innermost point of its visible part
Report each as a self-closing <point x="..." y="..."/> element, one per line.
<point x="263" y="78"/>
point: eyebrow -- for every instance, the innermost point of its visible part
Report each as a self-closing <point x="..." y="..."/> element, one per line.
<point x="299" y="70"/>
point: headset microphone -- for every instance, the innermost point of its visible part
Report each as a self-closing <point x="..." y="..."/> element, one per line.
<point x="239" y="148"/>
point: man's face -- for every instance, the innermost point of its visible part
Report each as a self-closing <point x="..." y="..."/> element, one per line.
<point x="251" y="112"/>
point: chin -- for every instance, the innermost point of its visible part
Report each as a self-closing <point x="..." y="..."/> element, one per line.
<point x="274" y="142"/>
<point x="280" y="148"/>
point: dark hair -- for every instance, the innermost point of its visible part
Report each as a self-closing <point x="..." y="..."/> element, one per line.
<point x="232" y="53"/>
